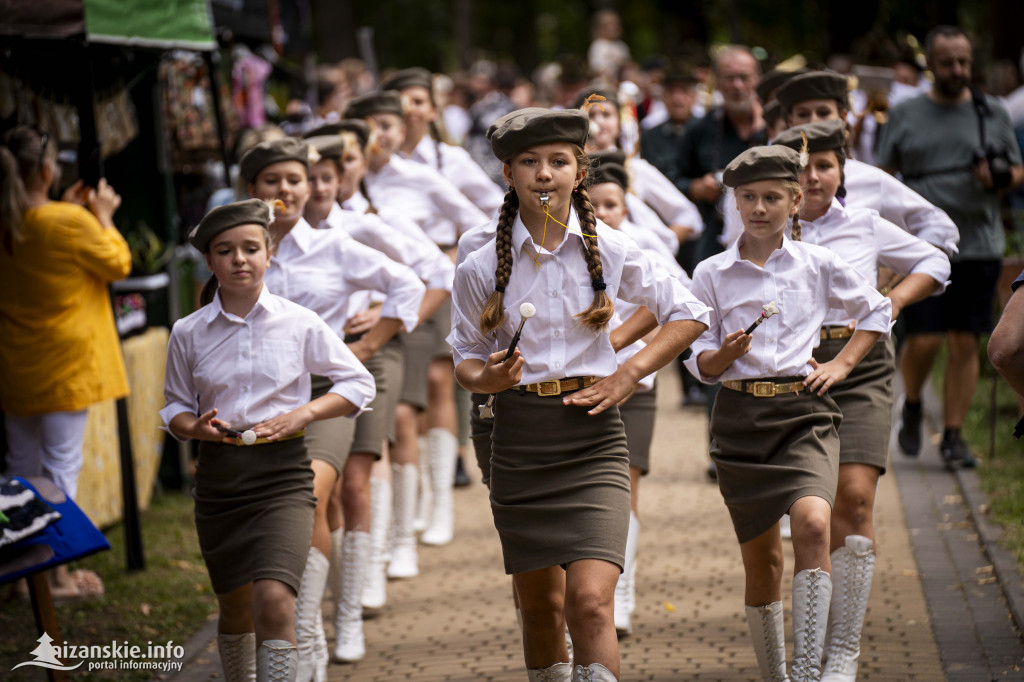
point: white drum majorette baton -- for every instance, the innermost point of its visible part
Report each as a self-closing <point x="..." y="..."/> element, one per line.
<point x="767" y="310"/>
<point x="527" y="310"/>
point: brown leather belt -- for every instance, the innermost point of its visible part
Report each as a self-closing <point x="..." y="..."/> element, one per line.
<point x="228" y="440"/>
<point x="763" y="389"/>
<point x="833" y="333"/>
<point x="546" y="389"/>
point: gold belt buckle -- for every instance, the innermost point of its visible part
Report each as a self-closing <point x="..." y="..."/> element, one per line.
<point x="764" y="389"/>
<point x="555" y="390"/>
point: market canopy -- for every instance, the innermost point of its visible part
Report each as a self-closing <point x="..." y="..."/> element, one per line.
<point x="165" y="24"/>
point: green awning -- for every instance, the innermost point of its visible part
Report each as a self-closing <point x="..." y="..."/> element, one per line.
<point x="169" y="24"/>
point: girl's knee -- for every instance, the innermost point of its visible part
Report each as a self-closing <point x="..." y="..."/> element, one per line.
<point x="587" y="602"/>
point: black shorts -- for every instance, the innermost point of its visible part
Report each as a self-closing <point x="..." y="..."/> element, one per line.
<point x="966" y="305"/>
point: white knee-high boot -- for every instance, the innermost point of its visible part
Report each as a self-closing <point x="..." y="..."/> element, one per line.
<point x="276" y="661"/>
<point x="595" y="672"/>
<point x="625" y="588"/>
<point x="348" y="620"/>
<point x="768" y="632"/>
<point x="424" y="500"/>
<point x="853" y="568"/>
<point x="375" y="582"/>
<point x="812" y="594"/>
<point x="404" y="559"/>
<point x="443" y="447"/>
<point x="559" y="672"/>
<point x="238" y="656"/>
<point x="308" y="618"/>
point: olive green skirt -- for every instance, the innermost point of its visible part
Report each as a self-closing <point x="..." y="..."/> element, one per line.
<point x="865" y="398"/>
<point x="770" y="452"/>
<point x="559" y="482"/>
<point x="254" y="512"/>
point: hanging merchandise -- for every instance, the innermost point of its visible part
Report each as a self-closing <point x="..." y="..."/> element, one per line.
<point x="188" y="110"/>
<point x="116" y="122"/>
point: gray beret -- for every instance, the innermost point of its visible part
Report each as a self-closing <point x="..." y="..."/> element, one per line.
<point x="274" y="151"/>
<point x="777" y="162"/>
<point x="814" y="85"/>
<point x="384" y="102"/>
<point x="609" y="172"/>
<point x="607" y="156"/>
<point x="531" y="126"/>
<point x="328" y="146"/>
<point x="822" y="136"/>
<point x="222" y="218"/>
<point x="772" y="112"/>
<point x="356" y="126"/>
<point x="775" y="79"/>
<point x="410" y="78"/>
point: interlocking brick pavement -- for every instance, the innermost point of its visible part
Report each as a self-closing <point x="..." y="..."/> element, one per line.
<point x="455" y="622"/>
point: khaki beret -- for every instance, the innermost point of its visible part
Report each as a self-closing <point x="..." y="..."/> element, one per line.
<point x="777" y="162"/>
<point x="772" y="112"/>
<point x="222" y="218"/>
<point x="410" y="78"/>
<point x="609" y="172"/>
<point x="274" y="151"/>
<point x="607" y="156"/>
<point x="383" y="102"/>
<point x="814" y="85"/>
<point x="822" y="136"/>
<point x="775" y="79"/>
<point x="328" y="146"/>
<point x="356" y="126"/>
<point x="610" y="97"/>
<point x="531" y="126"/>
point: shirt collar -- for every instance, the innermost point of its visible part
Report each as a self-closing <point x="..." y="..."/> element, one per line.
<point x="835" y="211"/>
<point x="425" y="151"/>
<point x="732" y="256"/>
<point x="214" y="309"/>
<point x="301" y="235"/>
<point x="520" y="234"/>
<point x="334" y="217"/>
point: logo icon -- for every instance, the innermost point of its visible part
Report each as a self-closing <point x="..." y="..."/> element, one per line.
<point x="46" y="656"/>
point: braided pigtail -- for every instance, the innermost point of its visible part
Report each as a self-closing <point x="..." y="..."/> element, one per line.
<point x="370" y="208"/>
<point x="493" y="313"/>
<point x="797" y="229"/>
<point x="795" y="195"/>
<point x="601" y="308"/>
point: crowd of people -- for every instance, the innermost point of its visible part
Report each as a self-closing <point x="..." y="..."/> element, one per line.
<point x="406" y="277"/>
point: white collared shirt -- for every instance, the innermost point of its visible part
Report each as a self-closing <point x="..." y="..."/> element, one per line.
<point x="871" y="187"/>
<point x="805" y="281"/>
<point x="321" y="269"/>
<point x="459" y="168"/>
<point x="256" y="368"/>
<point x="554" y="344"/>
<point x="420" y="193"/>
<point x="401" y="241"/>
<point x="865" y="240"/>
<point x="658" y="192"/>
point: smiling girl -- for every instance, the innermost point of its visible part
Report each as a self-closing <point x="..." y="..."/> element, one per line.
<point x="243" y="362"/>
<point x="774" y="426"/>
<point x="560" y="488"/>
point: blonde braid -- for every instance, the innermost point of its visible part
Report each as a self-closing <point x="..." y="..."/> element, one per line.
<point x="493" y="313"/>
<point x="601" y="308"/>
<point x="797" y="229"/>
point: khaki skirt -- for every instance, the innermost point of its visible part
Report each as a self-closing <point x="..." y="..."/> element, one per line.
<point x="394" y="369"/>
<point x="638" y="417"/>
<point x="372" y="427"/>
<point x="254" y="512"/>
<point x="422" y="345"/>
<point x="329" y="440"/>
<point x="865" y="398"/>
<point x="559" y="483"/>
<point x="770" y="452"/>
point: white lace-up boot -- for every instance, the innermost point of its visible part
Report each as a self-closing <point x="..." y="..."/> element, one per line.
<point x="404" y="559"/>
<point x="595" y="672"/>
<point x="375" y="581"/>
<point x="559" y="672"/>
<point x="812" y="593"/>
<point x="276" y="661"/>
<point x="348" y="619"/>
<point x="768" y="633"/>
<point x="443" y="447"/>
<point x="308" y="618"/>
<point x="425" y="497"/>
<point x="625" y="588"/>
<point x="853" y="568"/>
<point x="238" y="656"/>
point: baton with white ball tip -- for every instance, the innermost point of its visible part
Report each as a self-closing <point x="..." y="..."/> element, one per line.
<point x="248" y="437"/>
<point x="767" y="310"/>
<point x="527" y="310"/>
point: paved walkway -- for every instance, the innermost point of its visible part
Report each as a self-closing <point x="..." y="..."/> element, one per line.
<point x="936" y="612"/>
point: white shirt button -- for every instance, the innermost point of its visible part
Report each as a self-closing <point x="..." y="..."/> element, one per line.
<point x="557" y="333"/>
<point x="558" y="364"/>
<point x="554" y="294"/>
<point x="245" y="353"/>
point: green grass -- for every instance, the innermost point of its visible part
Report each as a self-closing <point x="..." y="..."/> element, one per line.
<point x="170" y="600"/>
<point x="1001" y="464"/>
